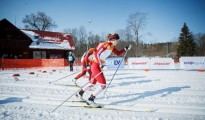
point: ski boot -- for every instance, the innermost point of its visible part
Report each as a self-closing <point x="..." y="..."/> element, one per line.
<point x="74" y="81"/>
<point x="79" y="96"/>
<point x="91" y="102"/>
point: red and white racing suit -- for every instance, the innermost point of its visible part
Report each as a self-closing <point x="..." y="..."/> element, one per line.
<point x="103" y="51"/>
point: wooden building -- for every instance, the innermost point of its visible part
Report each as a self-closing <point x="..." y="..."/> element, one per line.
<point x="13" y="42"/>
<point x="50" y="45"/>
<point x="33" y="44"/>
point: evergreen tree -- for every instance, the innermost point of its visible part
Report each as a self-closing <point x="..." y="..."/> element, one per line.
<point x="186" y="45"/>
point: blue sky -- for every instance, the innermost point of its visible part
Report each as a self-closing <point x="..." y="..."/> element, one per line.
<point x="165" y="17"/>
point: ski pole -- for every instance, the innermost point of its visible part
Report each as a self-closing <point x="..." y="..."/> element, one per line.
<point x="76" y="92"/>
<point x="115" y="72"/>
<point x="63" y="77"/>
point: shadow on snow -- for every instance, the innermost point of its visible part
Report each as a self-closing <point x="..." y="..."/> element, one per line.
<point x="136" y="96"/>
<point x="118" y="74"/>
<point x="133" y="82"/>
<point x="134" y="77"/>
<point x="130" y="83"/>
<point x="10" y="100"/>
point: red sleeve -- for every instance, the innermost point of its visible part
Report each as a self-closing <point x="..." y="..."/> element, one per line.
<point x="101" y="48"/>
<point x="118" y="53"/>
<point x="86" y="59"/>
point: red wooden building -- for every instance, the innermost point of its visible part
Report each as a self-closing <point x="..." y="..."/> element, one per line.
<point x="50" y="45"/>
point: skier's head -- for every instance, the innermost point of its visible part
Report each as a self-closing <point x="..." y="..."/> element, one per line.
<point x="114" y="38"/>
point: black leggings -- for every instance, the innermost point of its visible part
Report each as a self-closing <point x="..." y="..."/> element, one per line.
<point x="71" y="66"/>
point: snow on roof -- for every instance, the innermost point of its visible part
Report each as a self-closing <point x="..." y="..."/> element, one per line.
<point x="49" y="40"/>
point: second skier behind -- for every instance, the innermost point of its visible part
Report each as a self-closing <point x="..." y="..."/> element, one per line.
<point x="86" y="62"/>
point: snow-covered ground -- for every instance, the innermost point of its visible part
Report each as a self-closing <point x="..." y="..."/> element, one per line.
<point x="170" y="94"/>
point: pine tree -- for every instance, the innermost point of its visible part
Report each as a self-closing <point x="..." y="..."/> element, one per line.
<point x="186" y="45"/>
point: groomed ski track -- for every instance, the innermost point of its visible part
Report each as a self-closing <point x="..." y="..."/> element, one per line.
<point x="135" y="94"/>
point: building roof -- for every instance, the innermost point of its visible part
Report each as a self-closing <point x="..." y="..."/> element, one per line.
<point x="49" y="40"/>
<point x="7" y="27"/>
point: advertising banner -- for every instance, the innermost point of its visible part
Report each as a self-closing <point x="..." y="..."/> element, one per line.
<point x="162" y="63"/>
<point x="115" y="62"/>
<point x="151" y="63"/>
<point x="138" y="63"/>
<point x="192" y="63"/>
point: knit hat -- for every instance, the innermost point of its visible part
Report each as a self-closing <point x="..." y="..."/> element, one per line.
<point x="113" y="36"/>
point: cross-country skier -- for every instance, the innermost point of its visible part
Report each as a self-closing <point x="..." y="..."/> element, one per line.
<point x="86" y="62"/>
<point x="103" y="50"/>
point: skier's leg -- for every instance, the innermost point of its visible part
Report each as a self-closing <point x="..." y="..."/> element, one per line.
<point x="92" y="82"/>
<point x="80" y="75"/>
<point x="101" y="80"/>
<point x="99" y="89"/>
<point x="91" y="99"/>
<point x="79" y="95"/>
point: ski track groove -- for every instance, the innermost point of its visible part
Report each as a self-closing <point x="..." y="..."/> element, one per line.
<point x="146" y="92"/>
<point x="162" y="108"/>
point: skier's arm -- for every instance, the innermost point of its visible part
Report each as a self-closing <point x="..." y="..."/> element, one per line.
<point x="86" y="59"/>
<point x="99" y="51"/>
<point x="118" y="53"/>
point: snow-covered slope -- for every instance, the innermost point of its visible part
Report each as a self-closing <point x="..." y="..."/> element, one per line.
<point x="170" y="94"/>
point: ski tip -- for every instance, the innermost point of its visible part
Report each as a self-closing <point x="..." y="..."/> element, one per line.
<point x="151" y="110"/>
<point x="83" y="101"/>
<point x="99" y="107"/>
<point x="93" y="107"/>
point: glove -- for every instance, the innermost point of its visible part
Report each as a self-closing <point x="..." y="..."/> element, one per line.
<point x="128" y="47"/>
<point x="88" y="66"/>
<point x="102" y="66"/>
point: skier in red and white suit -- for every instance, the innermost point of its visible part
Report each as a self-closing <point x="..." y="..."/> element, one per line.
<point x="86" y="62"/>
<point x="103" y="50"/>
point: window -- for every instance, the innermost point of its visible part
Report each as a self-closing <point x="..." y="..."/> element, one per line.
<point x="36" y="36"/>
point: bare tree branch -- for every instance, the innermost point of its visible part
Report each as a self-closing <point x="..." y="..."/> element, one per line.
<point x="136" y="22"/>
<point x="39" y="21"/>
